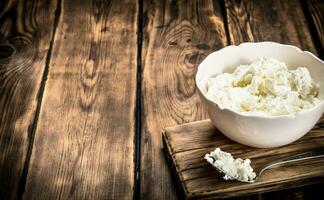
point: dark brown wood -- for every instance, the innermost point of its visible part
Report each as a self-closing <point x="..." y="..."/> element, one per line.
<point x="186" y="145"/>
<point x="177" y="36"/>
<point x="84" y="143"/>
<point x="316" y="11"/>
<point x="25" y="34"/>
<point x="278" y="21"/>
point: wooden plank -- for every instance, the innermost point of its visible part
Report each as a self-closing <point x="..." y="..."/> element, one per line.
<point x="200" y="180"/>
<point x="316" y="11"/>
<point x="84" y="143"/>
<point x="177" y="36"/>
<point x="279" y="21"/>
<point x="25" y="33"/>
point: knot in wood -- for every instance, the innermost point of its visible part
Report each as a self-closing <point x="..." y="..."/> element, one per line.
<point x="6" y="50"/>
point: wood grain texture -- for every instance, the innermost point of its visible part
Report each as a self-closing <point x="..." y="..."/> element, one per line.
<point x="316" y="11"/>
<point x="187" y="144"/>
<point x="84" y="143"/>
<point x="25" y="34"/>
<point x="278" y="21"/>
<point x="177" y="36"/>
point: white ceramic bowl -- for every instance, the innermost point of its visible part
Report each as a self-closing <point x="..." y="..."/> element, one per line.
<point x="259" y="131"/>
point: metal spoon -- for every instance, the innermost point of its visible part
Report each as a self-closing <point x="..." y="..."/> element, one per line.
<point x="315" y="153"/>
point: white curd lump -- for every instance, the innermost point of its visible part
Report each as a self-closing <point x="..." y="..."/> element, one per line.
<point x="264" y="87"/>
<point x="234" y="169"/>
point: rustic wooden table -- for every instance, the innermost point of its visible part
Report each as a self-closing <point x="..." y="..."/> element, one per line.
<point x="87" y="86"/>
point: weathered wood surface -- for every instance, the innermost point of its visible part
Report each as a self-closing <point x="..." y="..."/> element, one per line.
<point x="316" y="12"/>
<point x="25" y="35"/>
<point x="177" y="36"/>
<point x="187" y="144"/>
<point x="86" y="124"/>
<point x="84" y="143"/>
<point x="268" y="20"/>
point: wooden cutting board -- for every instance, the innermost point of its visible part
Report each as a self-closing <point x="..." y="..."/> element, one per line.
<point x="186" y="145"/>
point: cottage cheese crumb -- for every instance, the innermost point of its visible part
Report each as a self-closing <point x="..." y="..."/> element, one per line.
<point x="234" y="169"/>
<point x="265" y="87"/>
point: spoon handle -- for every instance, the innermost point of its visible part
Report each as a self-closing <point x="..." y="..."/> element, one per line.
<point x="315" y="153"/>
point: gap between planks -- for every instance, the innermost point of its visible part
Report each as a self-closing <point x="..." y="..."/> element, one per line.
<point x="225" y="21"/>
<point x="138" y="108"/>
<point x="312" y="28"/>
<point x="32" y="130"/>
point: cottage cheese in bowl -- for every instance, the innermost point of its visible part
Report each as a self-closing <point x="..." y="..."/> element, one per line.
<point x="262" y="94"/>
<point x="265" y="87"/>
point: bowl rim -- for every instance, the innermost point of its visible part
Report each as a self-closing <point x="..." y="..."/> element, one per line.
<point x="242" y="114"/>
